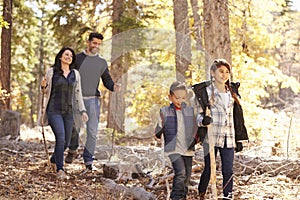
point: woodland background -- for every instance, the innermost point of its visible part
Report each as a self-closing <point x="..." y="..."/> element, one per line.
<point x="150" y="43"/>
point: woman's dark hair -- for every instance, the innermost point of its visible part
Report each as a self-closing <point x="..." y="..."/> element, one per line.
<point x="222" y="62"/>
<point x="57" y="62"/>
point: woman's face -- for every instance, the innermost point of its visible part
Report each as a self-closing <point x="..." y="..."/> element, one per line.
<point x="221" y="75"/>
<point x="66" y="57"/>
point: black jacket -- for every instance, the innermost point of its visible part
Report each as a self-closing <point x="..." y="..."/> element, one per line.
<point x="238" y="116"/>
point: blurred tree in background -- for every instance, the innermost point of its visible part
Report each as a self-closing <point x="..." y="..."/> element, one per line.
<point x="264" y="45"/>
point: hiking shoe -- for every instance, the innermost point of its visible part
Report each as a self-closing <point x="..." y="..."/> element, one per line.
<point x="89" y="168"/>
<point x="61" y="175"/>
<point x="70" y="157"/>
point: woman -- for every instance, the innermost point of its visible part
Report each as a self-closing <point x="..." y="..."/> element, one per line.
<point x="63" y="103"/>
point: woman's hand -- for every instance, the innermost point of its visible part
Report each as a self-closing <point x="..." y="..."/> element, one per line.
<point x="85" y="117"/>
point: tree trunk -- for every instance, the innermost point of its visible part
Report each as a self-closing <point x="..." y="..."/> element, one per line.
<point x="183" y="40"/>
<point x="197" y="24"/>
<point x="6" y="50"/>
<point x="116" y="105"/>
<point x="216" y="31"/>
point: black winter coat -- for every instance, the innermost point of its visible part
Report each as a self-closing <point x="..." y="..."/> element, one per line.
<point x="238" y="116"/>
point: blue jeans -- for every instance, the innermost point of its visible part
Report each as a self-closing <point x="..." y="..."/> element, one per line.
<point x="61" y="126"/>
<point x="182" y="166"/>
<point x="227" y="155"/>
<point x="93" y="111"/>
<point x="74" y="143"/>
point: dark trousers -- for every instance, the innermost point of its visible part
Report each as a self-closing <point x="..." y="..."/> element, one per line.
<point x="227" y="155"/>
<point x="182" y="166"/>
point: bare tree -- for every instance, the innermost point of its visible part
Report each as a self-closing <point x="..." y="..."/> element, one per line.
<point x="5" y="67"/>
<point x="183" y="40"/>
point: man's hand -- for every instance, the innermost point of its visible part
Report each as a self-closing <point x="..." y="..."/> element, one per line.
<point x="44" y="83"/>
<point x="117" y="87"/>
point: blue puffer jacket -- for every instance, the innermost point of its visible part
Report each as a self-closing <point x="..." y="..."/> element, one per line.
<point x="169" y="125"/>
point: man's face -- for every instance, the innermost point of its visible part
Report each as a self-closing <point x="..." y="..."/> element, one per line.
<point x="93" y="46"/>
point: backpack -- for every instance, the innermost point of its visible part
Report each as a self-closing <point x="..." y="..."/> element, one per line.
<point x="238" y="116"/>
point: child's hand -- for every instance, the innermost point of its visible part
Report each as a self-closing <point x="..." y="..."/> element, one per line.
<point x="206" y="120"/>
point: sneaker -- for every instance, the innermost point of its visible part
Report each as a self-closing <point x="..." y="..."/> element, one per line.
<point x="70" y="157"/>
<point x="89" y="168"/>
<point x="61" y="175"/>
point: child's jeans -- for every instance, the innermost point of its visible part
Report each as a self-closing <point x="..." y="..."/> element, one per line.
<point x="227" y="155"/>
<point x="182" y="166"/>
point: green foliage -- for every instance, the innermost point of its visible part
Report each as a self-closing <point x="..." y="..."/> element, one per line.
<point x="149" y="86"/>
<point x="143" y="107"/>
<point x="3" y="23"/>
<point x="254" y="60"/>
<point x="73" y="21"/>
<point x="259" y="32"/>
<point x="24" y="59"/>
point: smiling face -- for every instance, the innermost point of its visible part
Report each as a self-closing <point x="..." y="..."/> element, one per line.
<point x="178" y="97"/>
<point x="221" y="74"/>
<point x="93" y="45"/>
<point x="66" y="57"/>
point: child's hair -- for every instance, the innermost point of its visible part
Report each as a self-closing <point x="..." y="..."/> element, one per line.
<point x="215" y="65"/>
<point x="177" y="85"/>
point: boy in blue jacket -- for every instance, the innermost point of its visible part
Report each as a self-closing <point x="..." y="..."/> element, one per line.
<point x="177" y="124"/>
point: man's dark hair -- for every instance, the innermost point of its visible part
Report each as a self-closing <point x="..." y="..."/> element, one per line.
<point x="95" y="35"/>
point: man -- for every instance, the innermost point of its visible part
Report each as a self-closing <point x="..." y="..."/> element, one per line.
<point x="91" y="68"/>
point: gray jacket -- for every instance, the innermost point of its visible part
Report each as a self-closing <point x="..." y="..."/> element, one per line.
<point x="77" y="104"/>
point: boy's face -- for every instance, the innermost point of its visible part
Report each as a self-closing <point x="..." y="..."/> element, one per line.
<point x="178" y="97"/>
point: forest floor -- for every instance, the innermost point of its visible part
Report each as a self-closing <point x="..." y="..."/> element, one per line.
<point x="25" y="174"/>
<point x="268" y="168"/>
